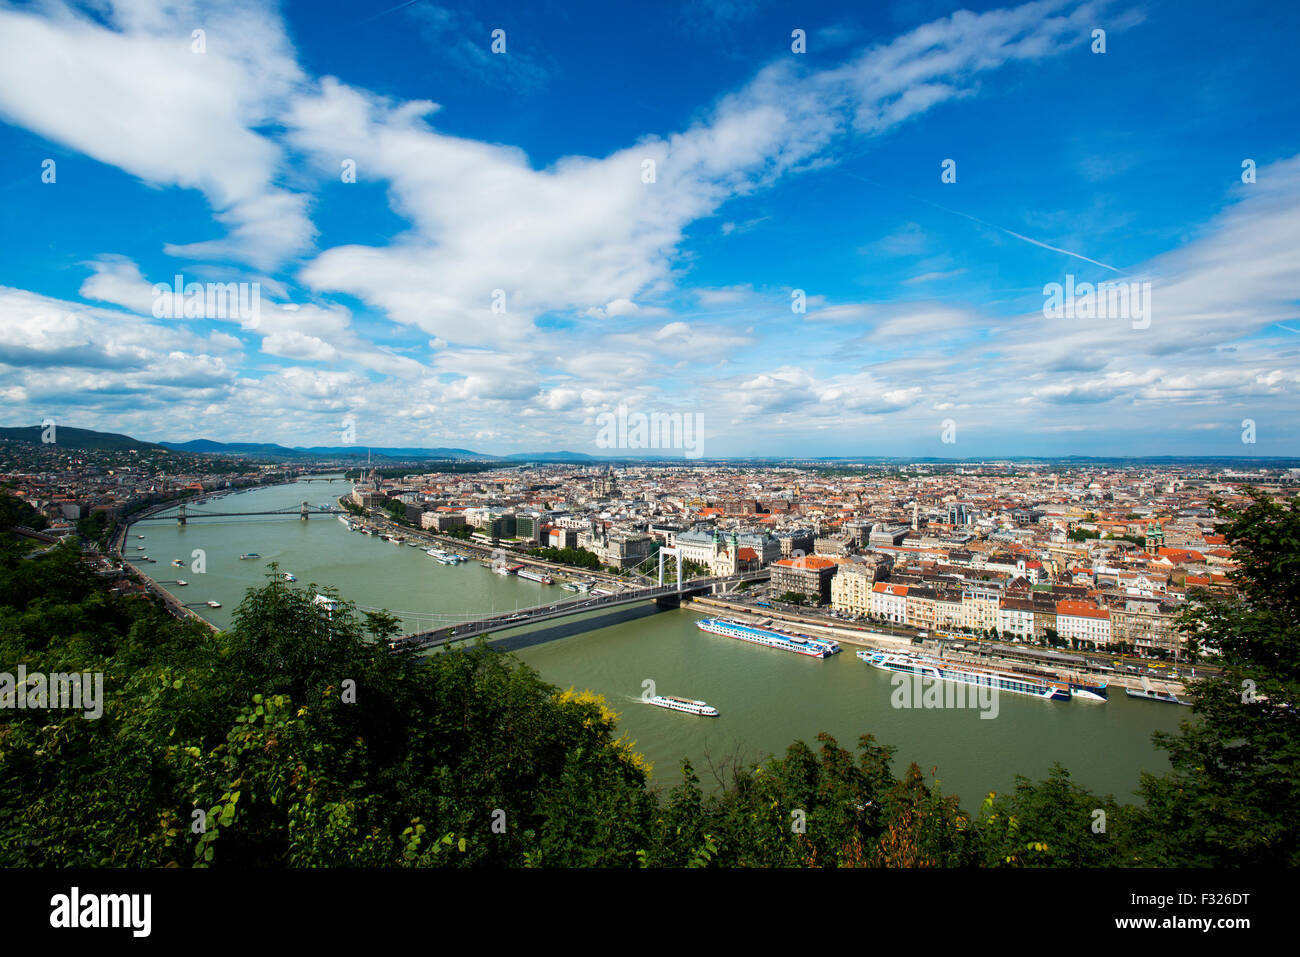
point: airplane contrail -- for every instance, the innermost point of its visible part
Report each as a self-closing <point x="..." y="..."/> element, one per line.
<point x="976" y="219"/>
<point x="385" y="13"/>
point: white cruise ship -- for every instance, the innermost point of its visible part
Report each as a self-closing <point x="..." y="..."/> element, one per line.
<point x="1048" y="689"/>
<point x="686" y="705"/>
<point x="800" y="644"/>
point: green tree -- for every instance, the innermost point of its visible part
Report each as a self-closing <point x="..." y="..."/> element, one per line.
<point x="1233" y="795"/>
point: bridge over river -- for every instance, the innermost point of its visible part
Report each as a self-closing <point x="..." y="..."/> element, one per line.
<point x="184" y="513"/>
<point x="670" y="594"/>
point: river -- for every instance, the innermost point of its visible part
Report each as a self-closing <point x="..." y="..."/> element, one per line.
<point x="766" y="698"/>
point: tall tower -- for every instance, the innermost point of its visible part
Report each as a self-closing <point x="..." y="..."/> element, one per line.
<point x="915" y="510"/>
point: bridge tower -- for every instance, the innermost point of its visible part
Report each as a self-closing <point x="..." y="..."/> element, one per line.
<point x="180" y="516"/>
<point x="675" y="552"/>
<point x="302" y="515"/>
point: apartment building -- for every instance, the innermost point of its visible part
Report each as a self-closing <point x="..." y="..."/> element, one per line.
<point x="810" y="575"/>
<point x="1016" y="619"/>
<point x="1147" y="626"/>
<point x="979" y="605"/>
<point x="889" y="602"/>
<point x="1083" y="621"/>
<point x="948" y="609"/>
<point x="920" y="607"/>
<point x="851" y="588"/>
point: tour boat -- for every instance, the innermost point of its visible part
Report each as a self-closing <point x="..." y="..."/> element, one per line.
<point x="1166" y="696"/>
<point x="687" y="705"/>
<point x="214" y="604"/>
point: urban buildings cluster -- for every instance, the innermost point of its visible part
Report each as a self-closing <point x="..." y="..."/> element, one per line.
<point x="1085" y="557"/>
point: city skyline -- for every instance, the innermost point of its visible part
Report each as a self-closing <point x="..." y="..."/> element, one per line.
<point x="458" y="247"/>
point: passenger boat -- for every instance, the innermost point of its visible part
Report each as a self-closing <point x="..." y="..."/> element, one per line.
<point x="800" y="644"/>
<point x="569" y="586"/>
<point x="181" y="581"/>
<point x="940" y="670"/>
<point x="1084" y="691"/>
<point x="686" y="705"/>
<point x="1097" y="691"/>
<point x="214" y="604"/>
<point x="533" y="576"/>
<point x="248" y="555"/>
<point x="1147" y="694"/>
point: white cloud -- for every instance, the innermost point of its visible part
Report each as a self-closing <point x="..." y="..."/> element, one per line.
<point x="139" y="98"/>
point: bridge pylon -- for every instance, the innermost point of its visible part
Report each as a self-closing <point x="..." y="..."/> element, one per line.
<point x="671" y="551"/>
<point x="302" y="515"/>
<point x="180" y="516"/>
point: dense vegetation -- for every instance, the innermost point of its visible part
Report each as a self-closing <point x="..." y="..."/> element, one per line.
<point x="304" y="741"/>
<point x="577" y="557"/>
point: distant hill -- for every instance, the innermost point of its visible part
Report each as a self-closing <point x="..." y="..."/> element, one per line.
<point x="400" y="453"/>
<point x="551" y="457"/>
<point x="273" y="451"/>
<point x="70" y="438"/>
<point x="209" y="447"/>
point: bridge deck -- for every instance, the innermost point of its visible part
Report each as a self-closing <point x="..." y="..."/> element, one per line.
<point x="565" y="608"/>
<point x="287" y="513"/>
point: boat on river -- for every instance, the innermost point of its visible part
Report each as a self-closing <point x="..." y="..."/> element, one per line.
<point x="685" y="705"/>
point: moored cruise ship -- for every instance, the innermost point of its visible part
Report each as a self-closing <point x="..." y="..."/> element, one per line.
<point x="939" y="670"/>
<point x="1084" y="691"/>
<point x="533" y="576"/>
<point x="673" y="703"/>
<point x="799" y="644"/>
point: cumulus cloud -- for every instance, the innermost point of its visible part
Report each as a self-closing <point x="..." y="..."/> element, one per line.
<point x="130" y="90"/>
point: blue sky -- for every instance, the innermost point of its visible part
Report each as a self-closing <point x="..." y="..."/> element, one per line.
<point x="775" y="171"/>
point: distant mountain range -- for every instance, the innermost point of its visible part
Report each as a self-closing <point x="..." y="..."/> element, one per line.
<point x="71" y="438"/>
<point x="268" y="450"/>
<point x="379" y="452"/>
<point x="68" y="437"/>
